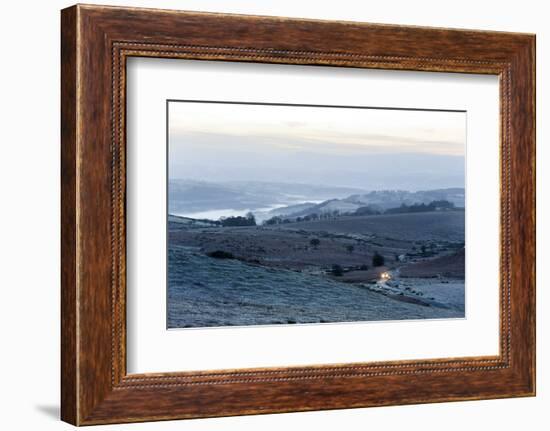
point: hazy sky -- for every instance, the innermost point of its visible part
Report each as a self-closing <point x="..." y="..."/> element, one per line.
<point x="367" y="148"/>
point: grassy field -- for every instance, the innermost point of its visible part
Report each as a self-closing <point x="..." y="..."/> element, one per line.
<point x="207" y="292"/>
<point x="296" y="262"/>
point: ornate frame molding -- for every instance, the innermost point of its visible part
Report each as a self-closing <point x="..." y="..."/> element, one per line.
<point x="96" y="41"/>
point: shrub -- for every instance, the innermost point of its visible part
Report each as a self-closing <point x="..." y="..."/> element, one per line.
<point x="337" y="270"/>
<point x="350" y="248"/>
<point x="315" y="242"/>
<point x="249" y="220"/>
<point x="220" y="254"/>
<point x="378" y="259"/>
<point x="273" y="220"/>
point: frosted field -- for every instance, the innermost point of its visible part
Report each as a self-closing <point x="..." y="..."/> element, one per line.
<point x="206" y="292"/>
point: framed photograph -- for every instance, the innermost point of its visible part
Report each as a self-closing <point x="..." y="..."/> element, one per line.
<point x="264" y="215"/>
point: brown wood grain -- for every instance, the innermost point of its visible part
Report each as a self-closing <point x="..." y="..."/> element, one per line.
<point x="68" y="217"/>
<point x="96" y="41"/>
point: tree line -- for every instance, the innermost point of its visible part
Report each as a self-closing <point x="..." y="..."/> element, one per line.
<point x="247" y="220"/>
<point x="438" y="205"/>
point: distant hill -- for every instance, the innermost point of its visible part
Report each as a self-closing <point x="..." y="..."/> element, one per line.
<point x="191" y="222"/>
<point x="327" y="207"/>
<point x="372" y="202"/>
<point x="189" y="196"/>
<point x="385" y="199"/>
<point x="292" y="200"/>
<point x="291" y="209"/>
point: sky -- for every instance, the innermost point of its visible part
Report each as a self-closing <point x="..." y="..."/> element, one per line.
<point x="365" y="148"/>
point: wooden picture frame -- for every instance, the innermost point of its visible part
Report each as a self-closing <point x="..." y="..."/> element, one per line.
<point x="95" y="43"/>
